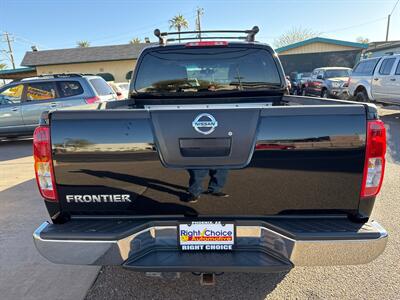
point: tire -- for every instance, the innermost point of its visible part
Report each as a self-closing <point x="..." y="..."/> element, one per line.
<point x="324" y="93"/>
<point x="303" y="92"/>
<point x="362" y="96"/>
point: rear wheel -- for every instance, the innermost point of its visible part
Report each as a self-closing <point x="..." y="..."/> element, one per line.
<point x="362" y="96"/>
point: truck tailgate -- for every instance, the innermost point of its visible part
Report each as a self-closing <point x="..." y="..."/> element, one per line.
<point x="271" y="160"/>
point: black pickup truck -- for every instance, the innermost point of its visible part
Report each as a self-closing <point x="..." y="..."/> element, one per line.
<point x="210" y="167"/>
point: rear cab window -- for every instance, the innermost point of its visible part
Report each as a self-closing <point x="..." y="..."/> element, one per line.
<point x="101" y="87"/>
<point x="365" y="68"/>
<point x="207" y="70"/>
<point x="69" y="88"/>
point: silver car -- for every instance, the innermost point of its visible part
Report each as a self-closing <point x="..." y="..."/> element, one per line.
<point x="376" y="79"/>
<point x="22" y="102"/>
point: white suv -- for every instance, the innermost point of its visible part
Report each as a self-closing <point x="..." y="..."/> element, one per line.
<point x="376" y="79"/>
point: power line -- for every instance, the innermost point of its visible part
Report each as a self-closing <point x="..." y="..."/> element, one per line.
<point x="394" y="7"/>
<point x="109" y="38"/>
<point x="354" y="26"/>
<point x="335" y="30"/>
<point x="5" y="55"/>
<point x="127" y="34"/>
<point x="27" y="41"/>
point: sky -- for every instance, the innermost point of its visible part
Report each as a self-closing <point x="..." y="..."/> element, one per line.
<point x="55" y="24"/>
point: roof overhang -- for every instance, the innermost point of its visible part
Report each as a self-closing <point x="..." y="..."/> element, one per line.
<point x="83" y="55"/>
<point x="322" y="40"/>
<point x="383" y="46"/>
<point x="16" y="74"/>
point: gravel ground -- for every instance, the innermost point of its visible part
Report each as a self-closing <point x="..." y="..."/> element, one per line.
<point x="379" y="279"/>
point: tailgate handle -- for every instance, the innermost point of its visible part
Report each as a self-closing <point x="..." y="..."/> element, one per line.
<point x="209" y="147"/>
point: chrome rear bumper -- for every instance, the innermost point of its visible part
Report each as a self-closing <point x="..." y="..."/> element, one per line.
<point x="298" y="252"/>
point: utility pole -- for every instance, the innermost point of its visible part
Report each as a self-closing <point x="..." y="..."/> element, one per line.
<point x="10" y="51"/>
<point x="388" y="20"/>
<point x="387" y="28"/>
<point x="200" y="12"/>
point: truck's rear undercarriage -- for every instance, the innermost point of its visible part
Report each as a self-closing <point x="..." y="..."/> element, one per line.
<point x="264" y="245"/>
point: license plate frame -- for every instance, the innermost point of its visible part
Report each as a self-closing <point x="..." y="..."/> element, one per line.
<point x="206" y="236"/>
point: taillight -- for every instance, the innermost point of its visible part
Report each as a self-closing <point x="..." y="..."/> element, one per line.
<point x="43" y="163"/>
<point x="206" y="44"/>
<point x="374" y="166"/>
<point x="92" y="100"/>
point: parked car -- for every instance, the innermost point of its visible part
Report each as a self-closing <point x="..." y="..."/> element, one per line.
<point x="299" y="81"/>
<point x="292" y="180"/>
<point x="328" y="82"/>
<point x="22" y="102"/>
<point x="120" y="88"/>
<point x="376" y="79"/>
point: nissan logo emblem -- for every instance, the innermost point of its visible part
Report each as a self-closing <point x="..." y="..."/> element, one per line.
<point x="204" y="123"/>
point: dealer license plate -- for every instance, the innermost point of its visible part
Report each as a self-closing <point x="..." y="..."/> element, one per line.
<point x="206" y="235"/>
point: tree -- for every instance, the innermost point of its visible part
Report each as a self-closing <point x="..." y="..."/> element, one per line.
<point x="82" y="44"/>
<point x="294" y="35"/>
<point x="178" y="22"/>
<point x="134" y="41"/>
<point x="362" y="40"/>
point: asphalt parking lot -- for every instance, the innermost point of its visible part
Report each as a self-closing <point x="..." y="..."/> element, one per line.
<point x="25" y="275"/>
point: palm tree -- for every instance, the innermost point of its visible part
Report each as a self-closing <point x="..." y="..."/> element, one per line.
<point x="134" y="41"/>
<point x="82" y="44"/>
<point x="178" y="22"/>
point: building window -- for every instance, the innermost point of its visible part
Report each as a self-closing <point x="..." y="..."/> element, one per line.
<point x="107" y="76"/>
<point x="128" y="75"/>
